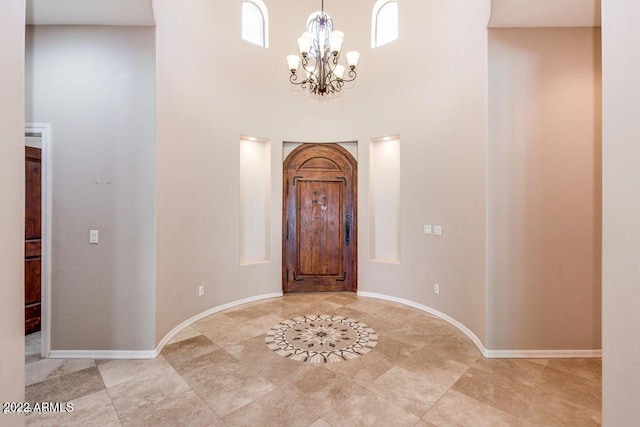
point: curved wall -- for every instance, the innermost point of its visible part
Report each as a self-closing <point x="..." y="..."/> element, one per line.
<point x="213" y="87"/>
<point x="429" y="87"/>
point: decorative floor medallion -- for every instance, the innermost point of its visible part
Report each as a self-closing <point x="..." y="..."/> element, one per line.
<point x="321" y="338"/>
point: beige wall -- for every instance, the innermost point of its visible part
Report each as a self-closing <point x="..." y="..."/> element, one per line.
<point x="621" y="212"/>
<point x="544" y="186"/>
<point x="212" y="87"/>
<point x="12" y="15"/>
<point x="96" y="86"/>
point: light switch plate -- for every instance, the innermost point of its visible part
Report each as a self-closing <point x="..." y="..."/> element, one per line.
<point x="437" y="230"/>
<point x="93" y="237"/>
<point x="427" y="229"/>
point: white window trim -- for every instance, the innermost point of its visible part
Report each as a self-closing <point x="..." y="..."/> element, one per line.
<point x="380" y="4"/>
<point x="265" y="21"/>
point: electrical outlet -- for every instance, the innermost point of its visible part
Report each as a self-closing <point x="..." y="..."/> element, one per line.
<point x="437" y="230"/>
<point x="200" y="291"/>
<point x="427" y="229"/>
<point x="436" y="288"/>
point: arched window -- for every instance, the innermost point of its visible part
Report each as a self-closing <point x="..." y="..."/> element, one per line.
<point x="255" y="22"/>
<point x="384" y="22"/>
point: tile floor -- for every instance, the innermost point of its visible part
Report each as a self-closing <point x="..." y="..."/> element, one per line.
<point x="219" y="372"/>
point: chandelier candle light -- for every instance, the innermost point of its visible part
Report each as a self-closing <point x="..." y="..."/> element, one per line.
<point x="320" y="50"/>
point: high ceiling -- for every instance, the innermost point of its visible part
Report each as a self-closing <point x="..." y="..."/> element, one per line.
<point x="505" y="13"/>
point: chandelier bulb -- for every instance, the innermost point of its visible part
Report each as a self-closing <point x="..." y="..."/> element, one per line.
<point x="352" y="59"/>
<point x="293" y="61"/>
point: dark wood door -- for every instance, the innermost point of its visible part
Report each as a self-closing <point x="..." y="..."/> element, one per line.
<point x="32" y="243"/>
<point x="319" y="220"/>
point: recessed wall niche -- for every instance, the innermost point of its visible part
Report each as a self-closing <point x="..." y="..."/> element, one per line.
<point x="255" y="196"/>
<point x="384" y="174"/>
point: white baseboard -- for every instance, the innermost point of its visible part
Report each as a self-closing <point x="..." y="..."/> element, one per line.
<point x="150" y="354"/>
<point x="209" y="312"/>
<point x="544" y="354"/>
<point x="491" y="354"/>
<point x="474" y="339"/>
<point x="102" y="354"/>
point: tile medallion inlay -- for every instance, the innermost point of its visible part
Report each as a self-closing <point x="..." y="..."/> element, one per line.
<point x="321" y="338"/>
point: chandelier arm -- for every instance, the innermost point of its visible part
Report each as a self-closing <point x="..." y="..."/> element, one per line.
<point x="305" y="65"/>
<point x="332" y="63"/>
<point x="337" y="85"/>
<point x="293" y="78"/>
<point x="312" y="71"/>
<point x="352" y="74"/>
<point x="313" y="87"/>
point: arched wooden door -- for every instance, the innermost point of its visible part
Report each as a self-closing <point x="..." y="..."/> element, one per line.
<point x="319" y="239"/>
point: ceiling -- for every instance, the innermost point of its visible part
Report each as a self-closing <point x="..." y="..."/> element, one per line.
<point x="545" y="13"/>
<point x="90" y="12"/>
<point x="505" y="13"/>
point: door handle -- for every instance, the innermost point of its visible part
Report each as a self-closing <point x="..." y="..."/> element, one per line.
<point x="347" y="232"/>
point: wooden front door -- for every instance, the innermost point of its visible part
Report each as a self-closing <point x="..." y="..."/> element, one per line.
<point x="319" y="220"/>
<point x="32" y="243"/>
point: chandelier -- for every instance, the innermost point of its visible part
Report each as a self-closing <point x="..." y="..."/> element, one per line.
<point x="320" y="50"/>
